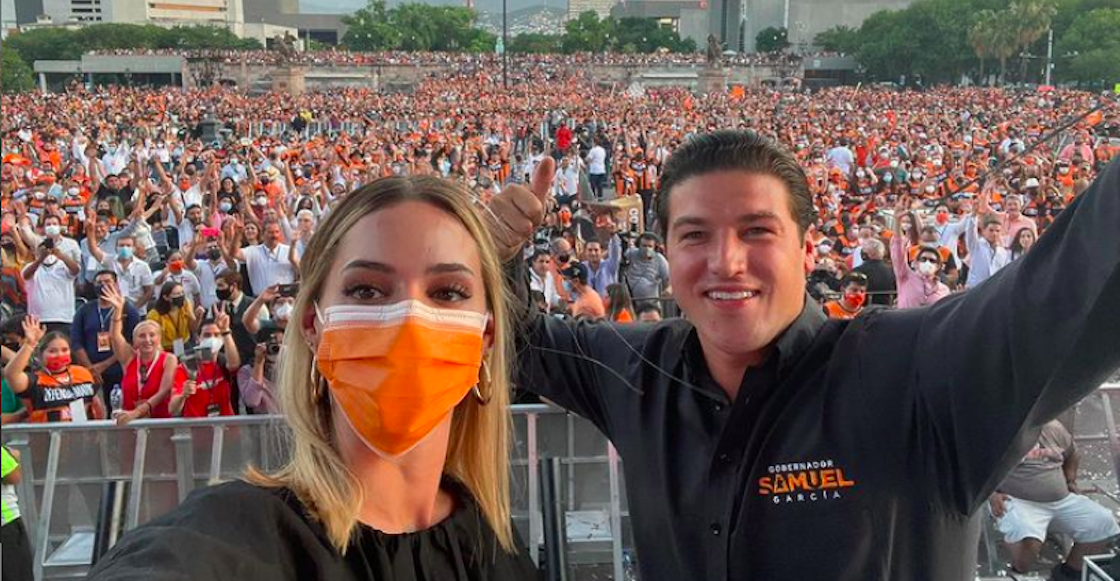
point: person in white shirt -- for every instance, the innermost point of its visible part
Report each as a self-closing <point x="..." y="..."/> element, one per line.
<point x="216" y="263"/>
<point x="50" y="286"/>
<point x="176" y="271"/>
<point x="597" y="170"/>
<point x="985" y="248"/>
<point x="134" y="277"/>
<point x="52" y="230"/>
<point x="268" y="263"/>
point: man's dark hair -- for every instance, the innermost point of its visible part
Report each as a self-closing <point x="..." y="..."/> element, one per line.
<point x="231" y="278"/>
<point x="647" y="307"/>
<point x="649" y="236"/>
<point x="736" y="150"/>
<point x="106" y="272"/>
<point x="856" y="278"/>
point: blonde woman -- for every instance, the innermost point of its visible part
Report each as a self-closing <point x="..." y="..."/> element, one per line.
<point x="394" y="384"/>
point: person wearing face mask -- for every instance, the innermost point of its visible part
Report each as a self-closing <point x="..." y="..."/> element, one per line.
<point x="270" y="307"/>
<point x="207" y="391"/>
<point x="90" y="336"/>
<point x="255" y="380"/>
<point x="395" y="388"/>
<point x="58" y="392"/>
<point x="134" y="277"/>
<point x="647" y="272"/>
<point x="55" y="231"/>
<point x="853" y="297"/>
<point x="49" y="281"/>
<point x="234" y="302"/>
<point x="216" y="261"/>
<point x="177" y="270"/>
<point x="918" y="280"/>
<point x="150" y="372"/>
<point x="176" y="317"/>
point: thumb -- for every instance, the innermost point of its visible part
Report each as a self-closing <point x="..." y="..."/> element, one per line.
<point x="542" y="178"/>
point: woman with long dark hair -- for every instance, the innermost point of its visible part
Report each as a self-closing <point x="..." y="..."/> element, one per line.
<point x="620" y="307"/>
<point x="175" y="315"/>
<point x="51" y="393"/>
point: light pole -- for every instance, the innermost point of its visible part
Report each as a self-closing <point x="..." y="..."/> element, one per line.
<point x="1049" y="55"/>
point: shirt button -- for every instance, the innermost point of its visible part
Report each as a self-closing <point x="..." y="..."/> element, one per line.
<point x="716" y="529"/>
<point x="719" y="407"/>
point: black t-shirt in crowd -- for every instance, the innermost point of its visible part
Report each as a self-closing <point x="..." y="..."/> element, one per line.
<point x="241" y="532"/>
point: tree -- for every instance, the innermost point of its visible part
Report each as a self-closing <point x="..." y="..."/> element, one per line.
<point x="535" y="42"/>
<point x="772" y="39"/>
<point x="369" y="29"/>
<point x="841" y="39"/>
<point x="1032" y="20"/>
<point x="1089" y="50"/>
<point x="205" y="37"/>
<point x="980" y="37"/>
<point x="645" y="35"/>
<point x="415" y="27"/>
<point x="588" y="33"/>
<point x="15" y="75"/>
<point x="51" y="44"/>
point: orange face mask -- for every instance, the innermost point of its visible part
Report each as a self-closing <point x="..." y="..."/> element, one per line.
<point x="399" y="370"/>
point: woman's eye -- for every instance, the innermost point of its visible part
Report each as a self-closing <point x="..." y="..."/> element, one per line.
<point x="451" y="294"/>
<point x="363" y="292"/>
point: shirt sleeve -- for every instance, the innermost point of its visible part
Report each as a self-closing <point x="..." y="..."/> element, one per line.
<point x="990" y="366"/>
<point x="8" y="463"/>
<point x="582" y="366"/>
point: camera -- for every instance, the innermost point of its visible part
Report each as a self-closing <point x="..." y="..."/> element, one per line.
<point x="48" y="243"/>
<point x="272" y="348"/>
<point x="287" y="290"/>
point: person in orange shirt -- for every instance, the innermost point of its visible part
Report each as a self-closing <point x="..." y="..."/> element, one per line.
<point x="854" y="295"/>
<point x="586" y="302"/>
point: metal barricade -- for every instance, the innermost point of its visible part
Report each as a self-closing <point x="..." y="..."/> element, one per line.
<point x="153" y="465"/>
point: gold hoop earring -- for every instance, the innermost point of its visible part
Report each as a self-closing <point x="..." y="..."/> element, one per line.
<point x="489" y="382"/>
<point x="316" y="380"/>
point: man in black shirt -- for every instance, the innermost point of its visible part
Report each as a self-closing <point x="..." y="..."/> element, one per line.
<point x="881" y="285"/>
<point x="762" y="441"/>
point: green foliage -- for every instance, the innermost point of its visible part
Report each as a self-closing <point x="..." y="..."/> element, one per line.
<point x="842" y="39"/>
<point x="415" y="26"/>
<point x="588" y="33"/>
<point x="1089" y="51"/>
<point x="535" y="42"/>
<point x="772" y="39"/>
<point x="15" y="75"/>
<point x="66" y="44"/>
<point x="941" y="40"/>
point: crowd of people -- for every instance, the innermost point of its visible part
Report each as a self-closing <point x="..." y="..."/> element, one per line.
<point x="151" y="267"/>
<point x="342" y="57"/>
<point x="117" y="211"/>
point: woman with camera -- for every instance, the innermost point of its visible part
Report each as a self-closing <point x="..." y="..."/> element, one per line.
<point x="255" y="379"/>
<point x="207" y="391"/>
<point x="150" y="372"/>
<point x="395" y="387"/>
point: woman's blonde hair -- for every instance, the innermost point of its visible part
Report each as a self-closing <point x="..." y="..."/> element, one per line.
<point x="478" y="452"/>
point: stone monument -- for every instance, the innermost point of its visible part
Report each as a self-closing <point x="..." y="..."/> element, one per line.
<point x="712" y="78"/>
<point x="287" y="75"/>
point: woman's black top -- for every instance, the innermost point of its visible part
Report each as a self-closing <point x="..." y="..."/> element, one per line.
<point x="238" y="531"/>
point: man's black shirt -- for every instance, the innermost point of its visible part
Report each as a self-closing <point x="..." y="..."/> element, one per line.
<point x="880" y="281"/>
<point x="860" y="450"/>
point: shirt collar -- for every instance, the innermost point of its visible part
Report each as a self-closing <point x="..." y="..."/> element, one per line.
<point x="789" y="346"/>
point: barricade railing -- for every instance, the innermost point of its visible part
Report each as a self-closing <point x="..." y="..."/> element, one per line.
<point x="149" y="466"/>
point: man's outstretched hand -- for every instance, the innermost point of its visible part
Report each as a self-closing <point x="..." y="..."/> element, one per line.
<point x="517" y="212"/>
